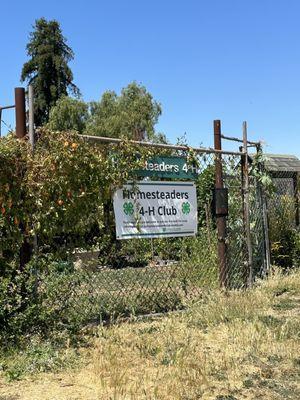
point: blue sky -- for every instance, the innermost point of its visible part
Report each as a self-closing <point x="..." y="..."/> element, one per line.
<point x="232" y="60"/>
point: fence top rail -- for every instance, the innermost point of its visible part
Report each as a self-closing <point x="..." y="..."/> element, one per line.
<point x="200" y="150"/>
<point x="234" y="139"/>
<point x="6" y="107"/>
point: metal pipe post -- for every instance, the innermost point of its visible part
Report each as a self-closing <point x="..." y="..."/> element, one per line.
<point x="265" y="218"/>
<point x="243" y="161"/>
<point x="32" y="141"/>
<point x="20" y="112"/>
<point x="31" y="116"/>
<point x="220" y="219"/>
<point x="246" y="198"/>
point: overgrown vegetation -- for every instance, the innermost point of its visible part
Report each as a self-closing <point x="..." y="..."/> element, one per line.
<point x="56" y="193"/>
<point x="284" y="234"/>
<point x="61" y="194"/>
<point x="224" y="346"/>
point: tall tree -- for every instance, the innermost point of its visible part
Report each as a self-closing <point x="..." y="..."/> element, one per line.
<point x="68" y="114"/>
<point x="132" y="114"/>
<point x="47" y="69"/>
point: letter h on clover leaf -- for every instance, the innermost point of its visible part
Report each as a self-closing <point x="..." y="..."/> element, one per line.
<point x="128" y="208"/>
<point x="186" y="207"/>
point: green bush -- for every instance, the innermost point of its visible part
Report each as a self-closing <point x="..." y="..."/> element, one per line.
<point x="284" y="235"/>
<point x="57" y="193"/>
<point x="19" y="310"/>
<point x="15" y="204"/>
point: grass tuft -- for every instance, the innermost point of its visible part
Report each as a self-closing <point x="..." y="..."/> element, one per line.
<point x="225" y="346"/>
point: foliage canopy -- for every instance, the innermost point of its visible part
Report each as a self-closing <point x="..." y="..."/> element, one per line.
<point x="68" y="114"/>
<point x="133" y="114"/>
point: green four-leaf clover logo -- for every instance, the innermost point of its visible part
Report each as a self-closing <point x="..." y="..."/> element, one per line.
<point x="186" y="207"/>
<point x="128" y="208"/>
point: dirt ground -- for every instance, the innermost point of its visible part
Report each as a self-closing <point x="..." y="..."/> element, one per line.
<point x="241" y="346"/>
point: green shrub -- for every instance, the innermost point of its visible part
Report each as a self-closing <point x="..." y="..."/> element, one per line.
<point x="15" y="204"/>
<point x="284" y="236"/>
<point x="19" y="310"/>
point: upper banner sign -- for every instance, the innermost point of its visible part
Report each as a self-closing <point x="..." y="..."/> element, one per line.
<point x="168" y="167"/>
<point x="156" y="209"/>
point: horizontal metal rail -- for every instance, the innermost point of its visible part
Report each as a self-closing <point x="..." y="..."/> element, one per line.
<point x="234" y="139"/>
<point x="1" y="109"/>
<point x="201" y="150"/>
<point x="7" y="107"/>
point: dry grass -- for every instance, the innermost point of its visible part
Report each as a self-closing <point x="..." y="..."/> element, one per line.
<point x="238" y="345"/>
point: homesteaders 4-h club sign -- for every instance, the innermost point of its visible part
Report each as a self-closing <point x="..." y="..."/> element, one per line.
<point x="161" y="210"/>
<point x="156" y="209"/>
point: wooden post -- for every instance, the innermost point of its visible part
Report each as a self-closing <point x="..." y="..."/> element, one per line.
<point x="220" y="219"/>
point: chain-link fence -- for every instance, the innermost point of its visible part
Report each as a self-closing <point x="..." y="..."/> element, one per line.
<point x="283" y="213"/>
<point x="239" y="224"/>
<point x="121" y="277"/>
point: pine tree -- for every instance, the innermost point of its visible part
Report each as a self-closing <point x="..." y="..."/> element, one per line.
<point x="47" y="69"/>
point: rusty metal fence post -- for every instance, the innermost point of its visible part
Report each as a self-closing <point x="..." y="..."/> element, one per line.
<point x="20" y="112"/>
<point x="20" y="108"/>
<point x="220" y="219"/>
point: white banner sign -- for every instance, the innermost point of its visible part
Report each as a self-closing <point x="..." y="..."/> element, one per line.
<point x="156" y="209"/>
